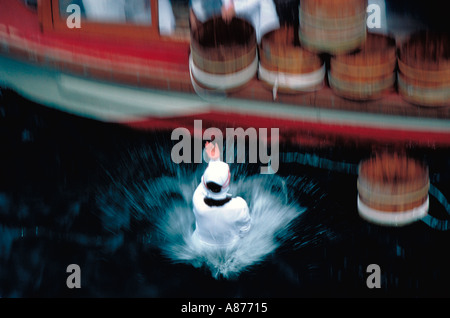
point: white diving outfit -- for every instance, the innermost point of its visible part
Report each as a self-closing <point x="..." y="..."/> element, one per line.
<point x="225" y="220"/>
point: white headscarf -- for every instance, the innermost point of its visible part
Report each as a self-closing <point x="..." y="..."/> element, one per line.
<point x="219" y="173"/>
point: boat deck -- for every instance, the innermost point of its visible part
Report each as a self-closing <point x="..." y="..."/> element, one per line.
<point x="164" y="65"/>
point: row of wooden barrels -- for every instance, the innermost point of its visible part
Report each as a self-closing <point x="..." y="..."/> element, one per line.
<point x="362" y="65"/>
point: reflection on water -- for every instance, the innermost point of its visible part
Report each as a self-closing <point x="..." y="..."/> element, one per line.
<point x="73" y="191"/>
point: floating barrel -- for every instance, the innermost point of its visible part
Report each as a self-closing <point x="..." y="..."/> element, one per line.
<point x="285" y="66"/>
<point x="332" y="26"/>
<point x="424" y="69"/>
<point x="223" y="54"/>
<point x="366" y="73"/>
<point x="392" y="189"/>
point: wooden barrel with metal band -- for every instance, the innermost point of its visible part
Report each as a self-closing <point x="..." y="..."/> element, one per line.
<point x="332" y="26"/>
<point x="367" y="73"/>
<point x="392" y="189"/>
<point x="286" y="66"/>
<point x="424" y="69"/>
<point x="223" y="54"/>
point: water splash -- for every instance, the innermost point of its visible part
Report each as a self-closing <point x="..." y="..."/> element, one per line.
<point x="271" y="216"/>
<point x="165" y="202"/>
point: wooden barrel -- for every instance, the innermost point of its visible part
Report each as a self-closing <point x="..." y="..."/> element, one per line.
<point x="286" y="66"/>
<point x="332" y="26"/>
<point x="424" y="69"/>
<point x="392" y="189"/>
<point x="366" y="73"/>
<point x="223" y="54"/>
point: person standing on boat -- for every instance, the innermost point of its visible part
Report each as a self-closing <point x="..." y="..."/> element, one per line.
<point x="261" y="13"/>
<point x="220" y="219"/>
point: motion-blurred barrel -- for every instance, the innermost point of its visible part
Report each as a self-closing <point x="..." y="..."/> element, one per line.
<point x="424" y="69"/>
<point x="284" y="64"/>
<point x="332" y="26"/>
<point x="392" y="189"/>
<point x="223" y="54"/>
<point x="366" y="73"/>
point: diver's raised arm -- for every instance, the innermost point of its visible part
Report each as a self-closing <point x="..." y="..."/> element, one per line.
<point x="213" y="151"/>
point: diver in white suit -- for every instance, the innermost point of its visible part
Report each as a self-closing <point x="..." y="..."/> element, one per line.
<point x="220" y="219"/>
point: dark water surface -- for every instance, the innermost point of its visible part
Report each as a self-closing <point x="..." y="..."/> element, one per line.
<point x="75" y="191"/>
